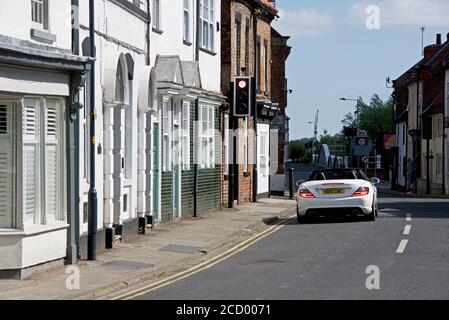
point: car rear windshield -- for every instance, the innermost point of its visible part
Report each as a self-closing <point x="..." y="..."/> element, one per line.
<point x="338" y="175"/>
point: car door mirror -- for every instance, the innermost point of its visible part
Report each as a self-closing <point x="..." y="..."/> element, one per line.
<point x="299" y="182"/>
<point x="375" y="180"/>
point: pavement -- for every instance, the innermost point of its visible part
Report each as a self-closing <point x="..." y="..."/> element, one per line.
<point x="404" y="254"/>
<point x="385" y="188"/>
<point x="172" y="248"/>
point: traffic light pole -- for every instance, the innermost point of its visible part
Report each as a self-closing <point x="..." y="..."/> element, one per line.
<point x="254" y="112"/>
<point x="231" y="140"/>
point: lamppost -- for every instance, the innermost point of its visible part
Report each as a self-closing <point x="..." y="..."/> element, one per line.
<point x="358" y="110"/>
<point x="315" y="134"/>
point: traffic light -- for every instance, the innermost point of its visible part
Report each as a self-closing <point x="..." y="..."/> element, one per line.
<point x="242" y="97"/>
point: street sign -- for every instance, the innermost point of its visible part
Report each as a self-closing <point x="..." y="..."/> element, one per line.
<point x="362" y="142"/>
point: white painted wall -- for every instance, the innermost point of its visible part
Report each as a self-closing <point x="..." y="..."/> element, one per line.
<point x="118" y="32"/>
<point x="170" y="42"/>
<point x="15" y="21"/>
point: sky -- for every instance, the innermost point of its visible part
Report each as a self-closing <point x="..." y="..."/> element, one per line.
<point x="341" y="50"/>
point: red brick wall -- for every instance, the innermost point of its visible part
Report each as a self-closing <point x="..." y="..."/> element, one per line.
<point x="280" y="51"/>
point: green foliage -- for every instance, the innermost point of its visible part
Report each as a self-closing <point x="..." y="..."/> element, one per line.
<point x="297" y="150"/>
<point x="376" y="118"/>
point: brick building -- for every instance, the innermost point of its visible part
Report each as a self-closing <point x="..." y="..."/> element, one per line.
<point x="246" y="51"/>
<point x="280" y="51"/>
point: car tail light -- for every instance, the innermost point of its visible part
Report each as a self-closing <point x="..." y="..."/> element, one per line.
<point x="361" y="192"/>
<point x="305" y="193"/>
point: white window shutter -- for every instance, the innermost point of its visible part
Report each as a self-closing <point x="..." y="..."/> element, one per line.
<point x="30" y="118"/>
<point x="6" y="175"/>
<point x="52" y="168"/>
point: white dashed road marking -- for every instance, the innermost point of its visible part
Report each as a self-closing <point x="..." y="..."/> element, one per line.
<point x="402" y="246"/>
<point x="407" y="229"/>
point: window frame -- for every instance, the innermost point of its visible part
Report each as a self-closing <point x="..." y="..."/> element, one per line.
<point x="187" y="37"/>
<point x="43" y="129"/>
<point x="226" y="146"/>
<point x="156" y="15"/>
<point x="263" y="154"/>
<point x="245" y="146"/>
<point x="206" y="137"/>
<point x="207" y="25"/>
<point x="238" y="45"/>
<point x="265" y="67"/>
<point x="185" y="135"/>
<point x="44" y="23"/>
<point x="167" y="135"/>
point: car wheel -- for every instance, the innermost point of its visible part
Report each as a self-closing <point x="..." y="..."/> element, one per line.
<point x="372" y="215"/>
<point x="301" y="219"/>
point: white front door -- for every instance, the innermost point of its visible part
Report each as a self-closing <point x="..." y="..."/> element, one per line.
<point x="120" y="199"/>
<point x="6" y="164"/>
<point x="263" y="163"/>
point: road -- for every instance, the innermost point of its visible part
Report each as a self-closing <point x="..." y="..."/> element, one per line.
<point x="328" y="259"/>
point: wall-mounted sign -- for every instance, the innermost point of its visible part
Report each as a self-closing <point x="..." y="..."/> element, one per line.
<point x="389" y="141"/>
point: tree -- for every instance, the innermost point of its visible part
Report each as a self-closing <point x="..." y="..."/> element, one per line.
<point x="297" y="150"/>
<point x="376" y="118"/>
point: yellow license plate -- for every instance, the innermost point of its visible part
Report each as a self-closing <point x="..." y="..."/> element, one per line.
<point x="333" y="191"/>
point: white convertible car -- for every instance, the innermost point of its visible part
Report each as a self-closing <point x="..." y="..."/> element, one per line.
<point x="337" y="191"/>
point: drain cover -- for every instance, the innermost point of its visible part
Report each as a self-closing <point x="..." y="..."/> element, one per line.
<point x="127" y="265"/>
<point x="177" y="248"/>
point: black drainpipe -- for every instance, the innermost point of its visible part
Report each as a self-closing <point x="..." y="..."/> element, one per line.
<point x="148" y="33"/>
<point x="195" y="165"/>
<point x="93" y="196"/>
<point x="73" y="151"/>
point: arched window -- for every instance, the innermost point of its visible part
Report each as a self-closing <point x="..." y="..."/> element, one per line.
<point x="119" y="84"/>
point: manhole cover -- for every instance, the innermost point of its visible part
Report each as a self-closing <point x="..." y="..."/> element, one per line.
<point x="127" y="265"/>
<point x="176" y="248"/>
<point x="260" y="262"/>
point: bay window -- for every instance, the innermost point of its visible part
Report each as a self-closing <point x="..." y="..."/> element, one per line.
<point x="33" y="130"/>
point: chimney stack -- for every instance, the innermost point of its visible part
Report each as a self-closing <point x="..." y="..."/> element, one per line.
<point x="438" y="38"/>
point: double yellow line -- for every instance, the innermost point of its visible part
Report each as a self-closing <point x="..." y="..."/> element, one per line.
<point x="202" y="266"/>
